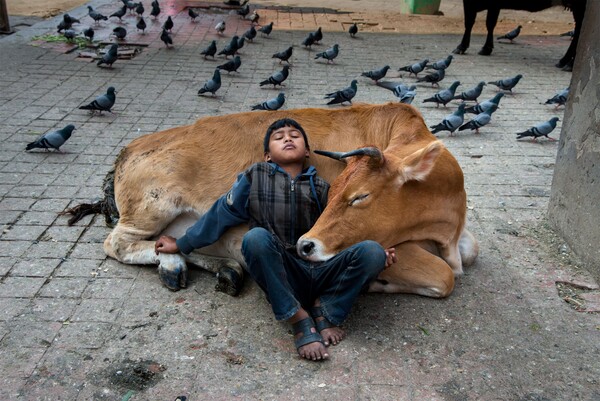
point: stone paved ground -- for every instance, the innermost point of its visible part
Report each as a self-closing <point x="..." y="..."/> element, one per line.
<point x="75" y="325"/>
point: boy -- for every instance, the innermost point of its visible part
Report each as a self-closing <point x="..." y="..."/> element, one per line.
<point x="281" y="200"/>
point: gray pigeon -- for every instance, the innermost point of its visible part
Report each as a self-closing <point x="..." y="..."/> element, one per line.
<point x="353" y="30"/>
<point x="559" y="99"/>
<point x="53" y="139"/>
<point x="89" y="33"/>
<point x="242" y="12"/>
<point x="278" y="77"/>
<point x="231" y="65"/>
<point x="471" y="94"/>
<point x="376" y="75"/>
<point x="110" y="56"/>
<point x="479" y="120"/>
<point x="120" y="13"/>
<point x="250" y="34"/>
<point x="398" y="88"/>
<point x="441" y="64"/>
<point x="271" y="104"/>
<point x="512" y="34"/>
<point x="212" y="85"/>
<point x="231" y="48"/>
<point x="409" y="95"/>
<point x="69" y="34"/>
<point x="344" y="95"/>
<point x="507" y="84"/>
<point x="444" y="96"/>
<point x="284" y="55"/>
<point x="96" y="16"/>
<point x="483" y="106"/>
<point x="434" y="77"/>
<point x="210" y="50"/>
<point x="102" y="103"/>
<point x="329" y="54"/>
<point x="415" y="68"/>
<point x="542" y="129"/>
<point x="266" y="29"/>
<point x="451" y="122"/>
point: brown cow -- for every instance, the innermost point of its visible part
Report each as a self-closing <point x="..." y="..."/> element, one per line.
<point x="164" y="181"/>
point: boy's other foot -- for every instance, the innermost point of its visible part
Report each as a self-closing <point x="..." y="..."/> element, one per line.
<point x="308" y="341"/>
<point x="331" y="334"/>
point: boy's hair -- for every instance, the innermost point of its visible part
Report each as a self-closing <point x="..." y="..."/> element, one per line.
<point x="284" y="122"/>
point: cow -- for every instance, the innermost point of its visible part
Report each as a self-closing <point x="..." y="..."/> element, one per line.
<point x="493" y="7"/>
<point x="411" y="195"/>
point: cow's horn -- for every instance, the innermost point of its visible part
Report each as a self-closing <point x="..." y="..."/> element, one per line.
<point x="333" y="155"/>
<point x="372" y="152"/>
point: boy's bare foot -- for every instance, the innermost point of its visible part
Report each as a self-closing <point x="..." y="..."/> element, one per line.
<point x="331" y="334"/>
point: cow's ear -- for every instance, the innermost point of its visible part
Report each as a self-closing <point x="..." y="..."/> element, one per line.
<point x="418" y="165"/>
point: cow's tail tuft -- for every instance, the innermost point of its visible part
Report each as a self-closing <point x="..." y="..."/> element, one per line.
<point x="106" y="206"/>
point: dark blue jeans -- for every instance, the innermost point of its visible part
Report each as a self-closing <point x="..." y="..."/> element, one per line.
<point x="291" y="282"/>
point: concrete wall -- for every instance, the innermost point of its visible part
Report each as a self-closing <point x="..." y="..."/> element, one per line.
<point x="575" y="197"/>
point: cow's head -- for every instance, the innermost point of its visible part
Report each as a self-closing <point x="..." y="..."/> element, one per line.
<point x="377" y="196"/>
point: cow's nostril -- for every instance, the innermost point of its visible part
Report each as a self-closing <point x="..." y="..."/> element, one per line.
<point x="308" y="247"/>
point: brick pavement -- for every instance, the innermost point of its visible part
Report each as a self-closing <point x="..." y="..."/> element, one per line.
<point x="75" y="325"/>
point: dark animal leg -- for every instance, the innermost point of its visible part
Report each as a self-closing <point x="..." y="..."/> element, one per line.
<point x="490" y="24"/>
<point x="566" y="62"/>
<point x="470" y="15"/>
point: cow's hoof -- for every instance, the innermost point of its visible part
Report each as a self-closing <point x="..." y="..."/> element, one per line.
<point x="459" y="50"/>
<point x="229" y="281"/>
<point x="485" y="51"/>
<point x="173" y="278"/>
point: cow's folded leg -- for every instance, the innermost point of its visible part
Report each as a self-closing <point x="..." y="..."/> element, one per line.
<point x="172" y="271"/>
<point x="230" y="274"/>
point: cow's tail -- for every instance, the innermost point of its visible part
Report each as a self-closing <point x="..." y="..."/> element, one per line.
<point x="106" y="206"/>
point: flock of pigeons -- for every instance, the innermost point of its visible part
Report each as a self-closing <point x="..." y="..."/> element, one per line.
<point x="435" y="73"/>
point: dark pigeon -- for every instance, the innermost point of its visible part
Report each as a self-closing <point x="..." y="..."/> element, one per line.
<point x="231" y="65"/>
<point x="192" y="14"/>
<point x="65" y="24"/>
<point x="212" y="85"/>
<point x="344" y="95"/>
<point x="353" y="30"/>
<point x="155" y="10"/>
<point x="271" y="104"/>
<point x="96" y="16"/>
<point x="278" y="77"/>
<point x="141" y="25"/>
<point x="415" y="68"/>
<point x="309" y="40"/>
<point x="559" y="99"/>
<point x="471" y="94"/>
<point x="441" y="64"/>
<point x="119" y="14"/>
<point x="376" y="75"/>
<point x="451" y="122"/>
<point x="329" y="54"/>
<point x="318" y="34"/>
<point x="89" y="33"/>
<point x="231" y="48"/>
<point x="240" y="43"/>
<point x="168" y="25"/>
<point x="507" y="84"/>
<point x="512" y="34"/>
<point x="250" y="34"/>
<point x="485" y="105"/>
<point x="53" y="139"/>
<point x="110" y="56"/>
<point x="120" y="32"/>
<point x="444" y="96"/>
<point x="434" y="77"/>
<point x="210" y="50"/>
<point x="69" y="34"/>
<point x="540" y="130"/>
<point x="166" y="38"/>
<point x="102" y="103"/>
<point x="284" y="55"/>
<point x="242" y="12"/>
<point x="139" y="9"/>
<point x="266" y="29"/>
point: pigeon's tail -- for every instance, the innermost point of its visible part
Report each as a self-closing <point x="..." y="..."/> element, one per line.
<point x="90" y="106"/>
<point x="265" y="82"/>
<point x="437" y="128"/>
<point x="430" y="99"/>
<point x="525" y="134"/>
<point x="106" y="206"/>
<point x="33" y="145"/>
<point x="258" y="107"/>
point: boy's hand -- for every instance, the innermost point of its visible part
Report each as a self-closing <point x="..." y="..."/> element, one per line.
<point x="391" y="258"/>
<point x="166" y="244"/>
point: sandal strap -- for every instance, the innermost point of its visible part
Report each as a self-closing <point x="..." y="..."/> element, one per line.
<point x="303" y="326"/>
<point x="322" y="324"/>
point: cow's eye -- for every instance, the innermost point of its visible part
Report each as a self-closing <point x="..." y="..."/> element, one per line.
<point x="357" y="199"/>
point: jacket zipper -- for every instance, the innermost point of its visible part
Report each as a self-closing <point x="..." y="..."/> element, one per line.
<point x="292" y="212"/>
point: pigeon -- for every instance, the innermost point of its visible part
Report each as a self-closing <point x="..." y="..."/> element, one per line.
<point x="119" y="14"/>
<point x="220" y="27"/>
<point x="139" y="9"/>
<point x="250" y="34"/>
<point x="434" y="77"/>
<point x="271" y="104"/>
<point x="415" y="68"/>
<point x="284" y="55"/>
<point x="483" y="106"/>
<point x="71" y="20"/>
<point x="309" y="40"/>
<point x="329" y="54"/>
<point x="409" y="95"/>
<point x="242" y="12"/>
<point x="376" y="75"/>
<point x="278" y="77"/>
<point x="231" y="48"/>
<point x="569" y="34"/>
<point x="441" y="64"/>
<point x="444" y="96"/>
<point x="69" y="34"/>
<point x="210" y="50"/>
<point x="240" y="43"/>
<point x="266" y="29"/>
<point x="542" y="129"/>
<point x="235" y="2"/>
<point x="344" y="95"/>
<point x="155" y="10"/>
<point x="65" y="24"/>
<point x="399" y="89"/>
<point x="168" y="25"/>
<point x="166" y="38"/>
<point x="231" y="65"/>
<point x="559" y="99"/>
<point x="512" y="34"/>
<point x="254" y="18"/>
<point x="89" y="33"/>
<point x="479" y="120"/>
<point x="120" y="32"/>
<point x="130" y="5"/>
<point x="353" y="30"/>
<point x="53" y="139"/>
<point x="102" y="103"/>
<point x="141" y="25"/>
<point x="212" y="85"/>
<point x="471" y="94"/>
<point x="318" y="34"/>
<point x="193" y="14"/>
<point x="96" y="16"/>
<point x="110" y="56"/>
<point x="451" y="122"/>
<point x="508" y="83"/>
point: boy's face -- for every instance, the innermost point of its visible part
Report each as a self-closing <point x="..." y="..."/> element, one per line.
<point x="287" y="146"/>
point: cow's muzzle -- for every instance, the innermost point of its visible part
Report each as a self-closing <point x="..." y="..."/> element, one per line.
<point x="311" y="249"/>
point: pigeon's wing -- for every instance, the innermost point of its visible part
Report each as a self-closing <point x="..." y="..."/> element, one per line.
<point x="53" y="139"/>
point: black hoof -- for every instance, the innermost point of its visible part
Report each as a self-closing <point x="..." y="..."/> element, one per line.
<point x="229" y="281"/>
<point x="485" y="51"/>
<point x="459" y="50"/>
<point x="173" y="279"/>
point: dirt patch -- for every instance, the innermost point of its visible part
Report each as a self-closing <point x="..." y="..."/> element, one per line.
<point x="130" y="375"/>
<point x="41" y="8"/>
